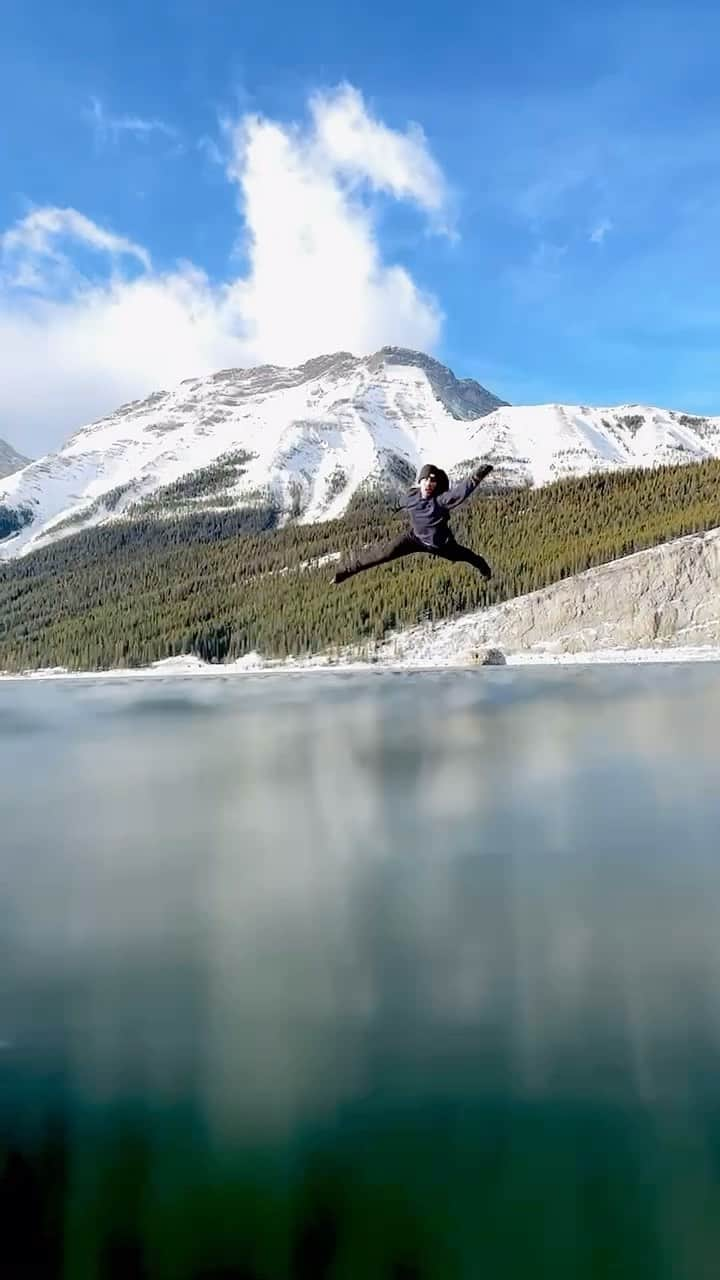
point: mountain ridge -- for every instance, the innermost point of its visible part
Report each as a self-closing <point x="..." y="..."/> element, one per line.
<point x="300" y="443"/>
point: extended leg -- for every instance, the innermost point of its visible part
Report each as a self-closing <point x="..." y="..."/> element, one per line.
<point x="463" y="555"/>
<point x="381" y="553"/>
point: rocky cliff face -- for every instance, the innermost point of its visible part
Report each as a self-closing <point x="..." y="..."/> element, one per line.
<point x="668" y="596"/>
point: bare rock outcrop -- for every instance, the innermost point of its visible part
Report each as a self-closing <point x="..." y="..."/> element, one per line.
<point x="485" y="656"/>
<point x="667" y="596"/>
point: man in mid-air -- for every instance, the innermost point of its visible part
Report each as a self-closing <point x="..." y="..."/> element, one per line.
<point x="429" y="505"/>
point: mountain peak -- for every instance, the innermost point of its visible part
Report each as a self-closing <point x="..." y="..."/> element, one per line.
<point x="273" y="444"/>
<point x="464" y="398"/>
<point x="10" y="460"/>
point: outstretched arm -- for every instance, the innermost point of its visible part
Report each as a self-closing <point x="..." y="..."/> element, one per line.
<point x="461" y="491"/>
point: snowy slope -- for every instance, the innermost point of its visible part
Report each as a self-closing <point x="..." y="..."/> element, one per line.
<point x="302" y="441"/>
<point x="10" y="459"/>
<point x="539" y="443"/>
<point x="314" y="435"/>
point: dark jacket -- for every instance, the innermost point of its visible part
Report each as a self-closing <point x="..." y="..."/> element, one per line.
<point x="430" y="516"/>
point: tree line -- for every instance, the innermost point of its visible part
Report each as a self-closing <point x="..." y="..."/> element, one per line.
<point x="220" y="584"/>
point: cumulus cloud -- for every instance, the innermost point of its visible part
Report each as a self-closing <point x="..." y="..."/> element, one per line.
<point x="348" y="139"/>
<point x="317" y="281"/>
<point x="73" y="345"/>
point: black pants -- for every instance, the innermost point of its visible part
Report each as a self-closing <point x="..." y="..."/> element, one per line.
<point x="407" y="545"/>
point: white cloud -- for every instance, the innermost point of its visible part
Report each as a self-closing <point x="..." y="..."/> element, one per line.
<point x="599" y="232"/>
<point x="71" y="360"/>
<point x="316" y="280"/>
<point x="77" y="345"/>
<point x="348" y="140"/>
<point x="111" y="127"/>
<point x="36" y="237"/>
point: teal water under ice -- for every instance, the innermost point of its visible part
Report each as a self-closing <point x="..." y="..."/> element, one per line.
<point x="345" y="975"/>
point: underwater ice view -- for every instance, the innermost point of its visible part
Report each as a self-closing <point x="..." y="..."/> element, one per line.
<point x="361" y="975"/>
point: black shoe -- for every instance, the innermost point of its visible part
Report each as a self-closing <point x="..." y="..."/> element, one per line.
<point x="484" y="568"/>
<point x="340" y="576"/>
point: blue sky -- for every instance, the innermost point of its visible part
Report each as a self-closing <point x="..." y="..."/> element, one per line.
<point x="530" y="191"/>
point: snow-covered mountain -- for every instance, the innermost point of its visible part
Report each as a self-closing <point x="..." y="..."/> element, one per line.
<point x="299" y="441"/>
<point x="10" y="459"/>
<point x="303" y="441"/>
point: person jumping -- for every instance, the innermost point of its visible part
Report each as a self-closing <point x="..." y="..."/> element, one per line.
<point x="429" y="505"/>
